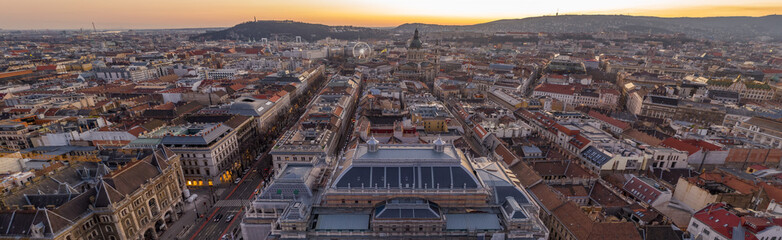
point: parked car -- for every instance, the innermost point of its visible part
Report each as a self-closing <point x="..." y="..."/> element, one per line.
<point x="237" y="180"/>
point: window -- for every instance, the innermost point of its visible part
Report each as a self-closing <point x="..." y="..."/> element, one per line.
<point x="109" y="229"/>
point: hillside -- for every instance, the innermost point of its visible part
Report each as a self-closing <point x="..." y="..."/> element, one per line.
<point x="288" y="30"/>
<point x="710" y="28"/>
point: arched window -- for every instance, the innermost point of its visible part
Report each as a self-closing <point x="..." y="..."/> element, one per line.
<point x="109" y="229"/>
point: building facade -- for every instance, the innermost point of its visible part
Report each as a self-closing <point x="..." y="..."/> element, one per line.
<point x="136" y="201"/>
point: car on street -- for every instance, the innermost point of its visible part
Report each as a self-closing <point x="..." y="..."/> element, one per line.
<point x="226" y="237"/>
<point x="228" y="218"/>
<point x="237" y="180"/>
<point x="218" y="217"/>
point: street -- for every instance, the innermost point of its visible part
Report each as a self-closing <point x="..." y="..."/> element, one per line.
<point x="230" y="204"/>
<point x="233" y="197"/>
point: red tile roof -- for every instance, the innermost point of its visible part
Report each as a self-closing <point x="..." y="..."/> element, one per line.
<point x="599" y="116"/>
<point x="672" y="142"/>
<point x="721" y="220"/>
<point x="729" y="180"/>
<point x="506" y="155"/>
<point x="565" y="130"/>
<point x="46" y="67"/>
<point x="166" y="106"/>
<point x="702" y="144"/>
<point x="609" y="91"/>
<point x="554" y="88"/>
<point x="767" y="157"/>
<point x="15" y="73"/>
<point x="236" y="87"/>
<point x="642" y="190"/>
<point x="137" y="130"/>
<point x="20" y="110"/>
<point x="579" y="141"/>
<point x="480" y="132"/>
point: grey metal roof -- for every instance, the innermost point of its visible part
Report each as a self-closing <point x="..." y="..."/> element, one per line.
<point x="250" y="106"/>
<point x="417" y="153"/>
<point x="664" y="100"/>
<point x="530" y="150"/>
<point x="595" y="156"/>
<point x="205" y="139"/>
<point x="407" y="208"/>
<point x="417" y="177"/>
<point x="513" y="209"/>
<point x="342" y="222"/>
<point x="493" y="177"/>
<point x="472" y="221"/>
<point x="295" y="172"/>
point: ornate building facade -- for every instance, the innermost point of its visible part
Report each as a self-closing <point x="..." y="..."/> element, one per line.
<point x="89" y="201"/>
<point x="418" y="66"/>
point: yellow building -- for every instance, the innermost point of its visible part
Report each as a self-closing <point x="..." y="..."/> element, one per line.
<point x="435" y="125"/>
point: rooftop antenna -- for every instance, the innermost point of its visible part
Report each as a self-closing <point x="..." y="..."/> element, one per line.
<point x="93" y="28"/>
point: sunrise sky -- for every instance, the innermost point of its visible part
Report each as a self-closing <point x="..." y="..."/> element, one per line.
<point x="140" y="14"/>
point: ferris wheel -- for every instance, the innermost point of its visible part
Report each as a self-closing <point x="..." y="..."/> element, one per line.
<point x="362" y="50"/>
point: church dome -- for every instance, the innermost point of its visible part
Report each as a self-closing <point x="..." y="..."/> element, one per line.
<point x="416" y="42"/>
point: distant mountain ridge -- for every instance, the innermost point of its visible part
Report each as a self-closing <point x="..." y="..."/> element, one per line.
<point x="720" y="28"/>
<point x="707" y="27"/>
<point x="288" y="30"/>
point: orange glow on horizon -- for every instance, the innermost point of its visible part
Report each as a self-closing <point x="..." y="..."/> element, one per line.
<point x="139" y="14"/>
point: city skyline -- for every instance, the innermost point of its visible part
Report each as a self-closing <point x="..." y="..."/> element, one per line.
<point x="181" y="14"/>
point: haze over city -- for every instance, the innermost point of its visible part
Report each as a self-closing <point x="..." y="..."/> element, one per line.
<point x="391" y="119"/>
<point x="144" y="14"/>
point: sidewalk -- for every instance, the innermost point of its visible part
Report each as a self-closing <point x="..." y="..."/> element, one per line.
<point x="187" y="221"/>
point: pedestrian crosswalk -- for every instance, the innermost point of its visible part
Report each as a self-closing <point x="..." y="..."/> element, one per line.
<point x="233" y="203"/>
